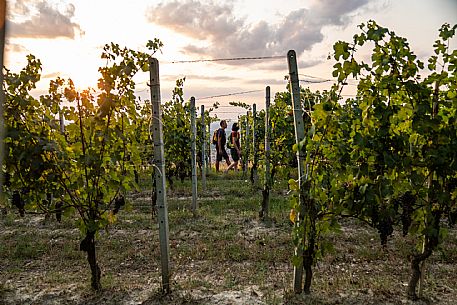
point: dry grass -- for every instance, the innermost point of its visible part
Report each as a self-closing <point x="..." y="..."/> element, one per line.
<point x="223" y="256"/>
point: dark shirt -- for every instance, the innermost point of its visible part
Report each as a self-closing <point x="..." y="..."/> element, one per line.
<point x="236" y="135"/>
<point x="221" y="135"/>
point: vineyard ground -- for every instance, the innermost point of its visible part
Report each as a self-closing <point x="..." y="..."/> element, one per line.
<point x="223" y="256"/>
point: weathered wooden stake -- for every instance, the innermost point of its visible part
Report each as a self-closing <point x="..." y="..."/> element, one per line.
<point x="203" y="148"/>
<point x="193" y="154"/>
<point x="299" y="136"/>
<point x="159" y="172"/>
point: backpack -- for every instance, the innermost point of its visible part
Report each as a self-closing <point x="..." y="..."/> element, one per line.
<point x="214" y="141"/>
<point x="229" y="142"/>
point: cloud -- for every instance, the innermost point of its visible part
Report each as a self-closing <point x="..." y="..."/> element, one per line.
<point x="52" y="75"/>
<point x="15" y="47"/>
<point x="21" y="7"/>
<point x="281" y="65"/>
<point x="267" y="82"/>
<point x="195" y="19"/>
<point x="335" y="12"/>
<point x="218" y="78"/>
<point x="44" y="21"/>
<point x="226" y="35"/>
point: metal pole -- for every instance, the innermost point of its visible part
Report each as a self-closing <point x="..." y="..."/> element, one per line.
<point x="159" y="172"/>
<point x="254" y="145"/>
<point x="299" y="136"/>
<point x="246" y="154"/>
<point x="62" y="122"/>
<point x="209" y="148"/>
<point x="2" y="93"/>
<point x="242" y="143"/>
<point x="266" y="188"/>
<point x="193" y="153"/>
<point x="203" y="148"/>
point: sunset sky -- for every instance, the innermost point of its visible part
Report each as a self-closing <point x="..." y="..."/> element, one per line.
<point x="67" y="36"/>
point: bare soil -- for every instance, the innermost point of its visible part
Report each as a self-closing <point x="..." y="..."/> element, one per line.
<point x="225" y="255"/>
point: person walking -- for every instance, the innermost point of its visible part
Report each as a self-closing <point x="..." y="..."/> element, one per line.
<point x="220" y="145"/>
<point x="235" y="147"/>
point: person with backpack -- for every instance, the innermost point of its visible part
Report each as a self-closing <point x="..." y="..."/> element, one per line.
<point x="220" y="142"/>
<point x="235" y="147"/>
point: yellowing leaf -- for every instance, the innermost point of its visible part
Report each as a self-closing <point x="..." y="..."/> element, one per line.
<point x="145" y="67"/>
<point x="451" y="94"/>
<point x="292" y="215"/>
<point x="111" y="218"/>
<point x="293" y="185"/>
<point x="295" y="147"/>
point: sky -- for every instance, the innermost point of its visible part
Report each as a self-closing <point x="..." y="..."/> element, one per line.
<point x="68" y="37"/>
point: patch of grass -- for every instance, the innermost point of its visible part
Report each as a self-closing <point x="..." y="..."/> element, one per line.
<point x="223" y="247"/>
<point x="109" y="280"/>
<point x="273" y="251"/>
<point x="57" y="276"/>
<point x="199" y="284"/>
<point x="230" y="282"/>
<point x="4" y="291"/>
<point x="68" y="250"/>
<point x="369" y="254"/>
<point x="134" y="221"/>
<point x="236" y="253"/>
<point x="4" y="250"/>
<point x="24" y="247"/>
<point x="272" y="298"/>
<point x="8" y="220"/>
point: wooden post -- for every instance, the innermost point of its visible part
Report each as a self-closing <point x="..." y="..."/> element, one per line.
<point x="266" y="186"/>
<point x="203" y="148"/>
<point x="193" y="153"/>
<point x="299" y="136"/>
<point x="254" y="177"/>
<point x="159" y="172"/>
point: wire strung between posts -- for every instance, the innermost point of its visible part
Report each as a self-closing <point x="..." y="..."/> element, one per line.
<point x="315" y="81"/>
<point x="310" y="76"/>
<point x="225" y="106"/>
<point x="226" y="59"/>
<point x="321" y="80"/>
<point x="142" y="90"/>
<point x="223" y="111"/>
<point x="228" y="94"/>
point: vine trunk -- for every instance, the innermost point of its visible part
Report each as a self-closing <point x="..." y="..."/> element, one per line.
<point x="88" y="245"/>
